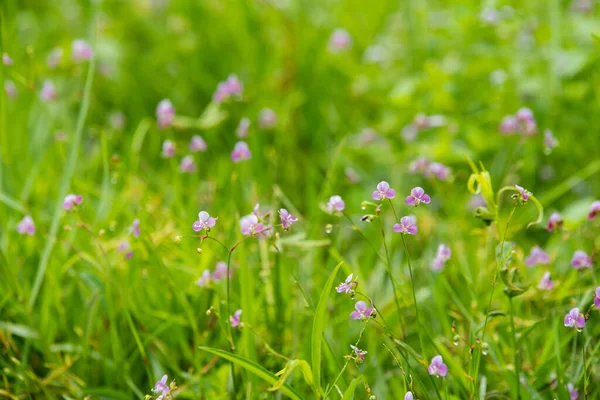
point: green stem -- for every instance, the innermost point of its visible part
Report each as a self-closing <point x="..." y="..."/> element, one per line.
<point x="412" y="285"/>
<point x="515" y="350"/>
<point x="394" y="288"/>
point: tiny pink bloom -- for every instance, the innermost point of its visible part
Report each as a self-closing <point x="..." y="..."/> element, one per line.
<point x="443" y="255"/>
<point x="437" y="367"/>
<point x="597" y="297"/>
<point x="573" y="393"/>
<point x="287" y="219"/>
<point x="509" y="125"/>
<point x="526" y="122"/>
<point x="417" y="196"/>
<point x="581" y="260"/>
<point x="574" y="319"/>
<point x="81" y="51"/>
<point x="438" y="170"/>
<point x="242" y="128"/>
<point x="48" y="92"/>
<point x="72" y="201"/>
<point x="124" y="247"/>
<point x="407" y="225"/>
<point x="335" y="203"/>
<point x="594" y="209"/>
<point x="419" y="165"/>
<point x="409" y="396"/>
<point x="240" y="152"/>
<point x="234" y="86"/>
<point x="267" y="118"/>
<point x="165" y="113"/>
<point x="537" y="256"/>
<point x="359" y="353"/>
<point x="6" y="60"/>
<point x="347" y="285"/>
<point x="197" y="144"/>
<point x="162" y="387"/>
<point x="221" y="271"/>
<point x="340" y="40"/>
<point x="10" y="88"/>
<point x="168" y="149"/>
<point x="523" y="193"/>
<point x="205" y="221"/>
<point x="205" y="279"/>
<point x="54" y="57"/>
<point x="555" y="222"/>
<point x="546" y="283"/>
<point x="134" y="229"/>
<point x="250" y="225"/>
<point x="187" y="165"/>
<point x="361" y="311"/>
<point x="383" y="191"/>
<point x="26" y="226"/>
<point x="235" y="319"/>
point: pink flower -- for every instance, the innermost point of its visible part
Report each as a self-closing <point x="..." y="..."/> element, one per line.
<point x="546" y="283"/>
<point x="359" y="353"/>
<point x="10" y="88"/>
<point x="581" y="260"/>
<point x="72" y="201"/>
<point x="347" y="285"/>
<point x="240" y="152"/>
<point x="443" y="255"/>
<point x="221" y="271"/>
<point x="417" y="196"/>
<point x="437" y="367"/>
<point x="537" y="256"/>
<point x="26" y="226"/>
<point x="205" y="221"/>
<point x="134" y="229"/>
<point x="555" y="222"/>
<point x="48" y="92"/>
<point x="409" y="396"/>
<point x="407" y="225"/>
<point x="81" y="51"/>
<point x="124" y="247"/>
<point x="204" y="280"/>
<point x="162" y="387"/>
<point x="54" y="57"/>
<point x="361" y="311"/>
<point x="574" y="319"/>
<point x="527" y="124"/>
<point x="419" y="165"/>
<point x="383" y="191"/>
<point x="287" y="219"/>
<point x="250" y="225"/>
<point x="6" y="60"/>
<point x="242" y="128"/>
<point x="597" y="297"/>
<point x="187" y="165"/>
<point x="573" y="394"/>
<point x="267" y="118"/>
<point x="594" y="209"/>
<point x="335" y="203"/>
<point x="340" y="40"/>
<point x="550" y="141"/>
<point x="438" y="170"/>
<point x="168" y="149"/>
<point x="197" y="144"/>
<point x="232" y="87"/>
<point x="235" y="319"/>
<point x="523" y="193"/>
<point x="509" y="125"/>
<point x="165" y="113"/>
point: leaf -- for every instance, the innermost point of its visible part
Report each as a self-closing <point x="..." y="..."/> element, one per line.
<point x="289" y="370"/>
<point x="319" y="328"/>
<point x="349" y="393"/>
<point x="255" y="369"/>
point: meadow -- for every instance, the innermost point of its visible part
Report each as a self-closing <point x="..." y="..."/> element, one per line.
<point x="299" y="199"/>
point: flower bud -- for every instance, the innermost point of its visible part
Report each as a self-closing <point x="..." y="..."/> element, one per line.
<point x="199" y="250"/>
<point x="177" y="239"/>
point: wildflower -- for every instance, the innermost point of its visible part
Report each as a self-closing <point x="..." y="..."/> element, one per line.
<point x="204" y="280"/>
<point x="594" y="209"/>
<point x="581" y="260"/>
<point x="597" y="297"/>
<point x="383" y="191"/>
<point x="165" y="113"/>
<point x="420" y="165"/>
<point x="134" y="229"/>
<point x="335" y="203"/>
<point x="232" y="87"/>
<point x="550" y="141"/>
<point x="221" y="271"/>
<point x="81" y="51"/>
<point x="187" y="164"/>
<point x="523" y="194"/>
<point x="437" y="367"/>
<point x="359" y="353"/>
<point x="440" y="171"/>
<point x="168" y="149"/>
<point x="125" y="248"/>
<point x="287" y="219"/>
<point x="234" y="319"/>
<point x="250" y="225"/>
<point x="48" y="92"/>
<point x="6" y="59"/>
<point x="267" y="118"/>
<point x="242" y="128"/>
<point x="361" y="311"/>
<point x="509" y="125"/>
<point x="572" y="391"/>
<point x="574" y="318"/>
<point x="546" y="283"/>
<point x="537" y="256"/>
<point x="54" y="57"/>
<point x="26" y="226"/>
<point x="417" y="196"/>
<point x="409" y="396"/>
<point x="526" y="121"/>
<point x="72" y="201"/>
<point x="340" y="40"/>
<point x="10" y="88"/>
<point x="205" y="221"/>
<point x="240" y="152"/>
<point x="555" y="222"/>
<point x="347" y="285"/>
<point x="407" y="225"/>
<point x="443" y="255"/>
<point x="197" y="144"/>
<point x="162" y="387"/>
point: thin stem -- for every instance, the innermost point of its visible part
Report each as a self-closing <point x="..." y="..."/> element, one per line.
<point x="394" y="288"/>
<point x="412" y="285"/>
<point x="515" y="350"/>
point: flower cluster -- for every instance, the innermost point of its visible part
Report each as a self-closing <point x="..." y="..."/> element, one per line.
<point x="429" y="169"/>
<point x="523" y="123"/>
<point x="165" y="113"/>
<point x="420" y="123"/>
<point x="537" y="256"/>
<point x="230" y="88"/>
<point x="216" y="276"/>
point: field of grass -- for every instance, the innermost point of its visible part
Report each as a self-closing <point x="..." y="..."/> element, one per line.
<point x="260" y="113"/>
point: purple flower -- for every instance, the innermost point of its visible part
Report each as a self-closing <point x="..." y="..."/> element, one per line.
<point x="162" y="387"/>
<point x="438" y="170"/>
<point x="417" y="196"/>
<point x="407" y="225"/>
<point x="575" y="319"/>
<point x="443" y="255"/>
<point x="572" y="391"/>
<point x="437" y="367"/>
<point x="125" y="248"/>
<point x="555" y="222"/>
<point x="72" y="201"/>
<point x="409" y="396"/>
<point x="54" y="57"/>
<point x="81" y="51"/>
<point x="168" y="149"/>
<point x="523" y="193"/>
<point x="232" y="87"/>
<point x="165" y="113"/>
<point x="221" y="271"/>
<point x="581" y="260"/>
<point x="594" y="209"/>
<point x="420" y="165"/>
<point x="383" y="191"/>
<point x="48" y="92"/>
<point x="509" y="125"/>
<point x="335" y="203"/>
<point x="527" y="124"/>
<point x="204" y="280"/>
<point x="242" y="128"/>
<point x="537" y="256"/>
<point x="546" y="283"/>
<point x="134" y="229"/>
<point x="347" y="285"/>
<point x="10" y="88"/>
<point x="361" y="311"/>
<point x="197" y="144"/>
<point x="205" y="221"/>
<point x="550" y="141"/>
<point x="240" y="152"/>
<point x="250" y="225"/>
<point x="26" y="226"/>
<point x="287" y="219"/>
<point x="187" y="165"/>
<point x="267" y="118"/>
<point x="359" y="353"/>
<point x="597" y="297"/>
<point x="235" y="319"/>
<point x="6" y="60"/>
<point x="340" y="40"/>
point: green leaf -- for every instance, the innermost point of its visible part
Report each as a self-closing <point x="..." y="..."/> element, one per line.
<point x="349" y="393"/>
<point x="289" y="370"/>
<point x="255" y="369"/>
<point x="319" y="328"/>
